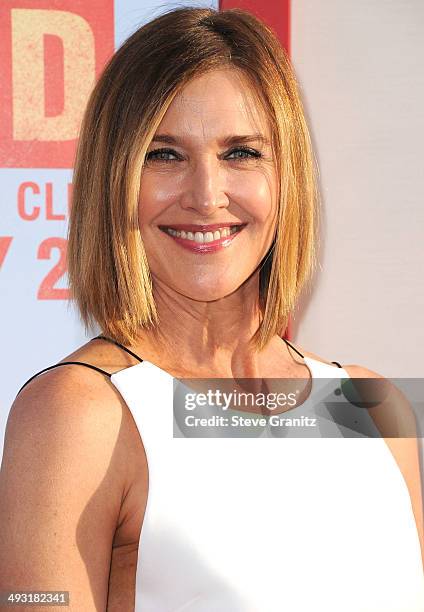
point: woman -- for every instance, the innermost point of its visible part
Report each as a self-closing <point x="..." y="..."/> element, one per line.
<point x="192" y="233"/>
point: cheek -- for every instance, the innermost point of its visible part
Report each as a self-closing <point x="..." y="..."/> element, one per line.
<point x="256" y="193"/>
<point x="157" y="191"/>
<point x="253" y="192"/>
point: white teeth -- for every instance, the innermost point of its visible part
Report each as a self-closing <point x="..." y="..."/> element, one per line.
<point x="202" y="237"/>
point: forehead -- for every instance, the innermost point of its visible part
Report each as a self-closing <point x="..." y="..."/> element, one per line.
<point x="215" y="102"/>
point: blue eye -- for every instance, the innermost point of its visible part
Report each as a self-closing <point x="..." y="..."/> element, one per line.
<point x="251" y="153"/>
<point x="161" y="154"/>
<point x="151" y="156"/>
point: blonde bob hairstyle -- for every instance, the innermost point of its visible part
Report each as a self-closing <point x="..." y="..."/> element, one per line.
<point x="109" y="275"/>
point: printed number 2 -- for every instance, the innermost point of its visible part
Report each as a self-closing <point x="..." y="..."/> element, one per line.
<point x="47" y="291"/>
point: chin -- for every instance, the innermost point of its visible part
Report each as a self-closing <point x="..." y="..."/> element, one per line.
<point x="208" y="292"/>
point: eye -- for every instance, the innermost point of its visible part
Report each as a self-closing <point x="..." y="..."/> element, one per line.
<point x="241" y="153"/>
<point x="160" y="155"/>
<point x="247" y="153"/>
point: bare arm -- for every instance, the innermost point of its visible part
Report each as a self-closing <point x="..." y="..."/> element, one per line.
<point x="395" y="420"/>
<point x="60" y="489"/>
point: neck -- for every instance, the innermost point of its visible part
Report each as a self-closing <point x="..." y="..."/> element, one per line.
<point x="201" y="337"/>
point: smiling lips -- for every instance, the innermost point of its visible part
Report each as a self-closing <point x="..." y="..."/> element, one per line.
<point x="203" y="238"/>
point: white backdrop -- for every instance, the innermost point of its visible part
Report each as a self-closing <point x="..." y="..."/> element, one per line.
<point x="360" y="68"/>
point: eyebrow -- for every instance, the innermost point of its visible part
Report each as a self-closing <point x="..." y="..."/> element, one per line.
<point x="227" y="141"/>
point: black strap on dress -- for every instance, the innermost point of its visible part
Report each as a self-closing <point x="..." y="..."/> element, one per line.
<point x="93" y="367"/>
<point x="88" y="365"/>
<point x="118" y="344"/>
<point x="299" y="353"/>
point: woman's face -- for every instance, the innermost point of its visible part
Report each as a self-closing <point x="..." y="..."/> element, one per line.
<point x="210" y="164"/>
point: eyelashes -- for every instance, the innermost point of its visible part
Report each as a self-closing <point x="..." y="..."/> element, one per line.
<point x="250" y="154"/>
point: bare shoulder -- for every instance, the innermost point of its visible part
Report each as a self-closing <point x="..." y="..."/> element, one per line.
<point x="395" y="419"/>
<point x="74" y="407"/>
<point x="75" y="392"/>
<point x="61" y="486"/>
<point x="102" y="353"/>
<point x="85" y="405"/>
<point x="72" y="394"/>
<point x="71" y="441"/>
<point x="354" y="371"/>
<point x="358" y="371"/>
<point x="311" y="355"/>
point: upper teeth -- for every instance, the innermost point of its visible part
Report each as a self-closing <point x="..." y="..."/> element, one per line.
<point x="203" y="236"/>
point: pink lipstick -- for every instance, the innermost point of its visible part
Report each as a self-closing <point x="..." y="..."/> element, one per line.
<point x="203" y="238"/>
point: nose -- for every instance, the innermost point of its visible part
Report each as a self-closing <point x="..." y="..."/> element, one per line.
<point x="204" y="190"/>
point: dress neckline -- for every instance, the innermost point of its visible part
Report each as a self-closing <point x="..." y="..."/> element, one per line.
<point x="130" y="370"/>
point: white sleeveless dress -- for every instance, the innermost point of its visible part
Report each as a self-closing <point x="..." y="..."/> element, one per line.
<point x="270" y="523"/>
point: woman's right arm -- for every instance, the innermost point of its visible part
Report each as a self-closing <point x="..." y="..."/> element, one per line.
<point x="60" y="489"/>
